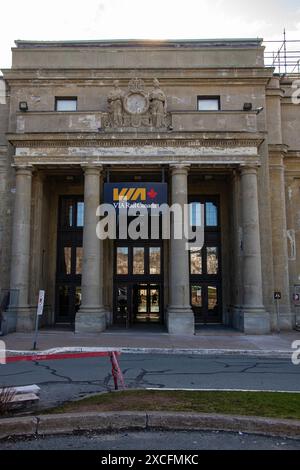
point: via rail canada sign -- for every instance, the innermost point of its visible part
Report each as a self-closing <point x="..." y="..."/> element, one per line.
<point x="135" y="195"/>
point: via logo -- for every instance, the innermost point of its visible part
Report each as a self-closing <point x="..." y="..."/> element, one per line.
<point x="129" y="194"/>
<point x="152" y="193"/>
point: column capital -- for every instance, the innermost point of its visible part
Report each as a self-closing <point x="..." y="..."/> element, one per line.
<point x="89" y="168"/>
<point x="179" y="168"/>
<point x="248" y="169"/>
<point x="24" y="169"/>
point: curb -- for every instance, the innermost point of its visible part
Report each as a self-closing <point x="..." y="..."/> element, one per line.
<point x="67" y="423"/>
<point x="275" y="354"/>
<point x="284" y="354"/>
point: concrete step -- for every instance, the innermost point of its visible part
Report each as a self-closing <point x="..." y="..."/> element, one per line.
<point x="23" y="400"/>
<point x="24" y="389"/>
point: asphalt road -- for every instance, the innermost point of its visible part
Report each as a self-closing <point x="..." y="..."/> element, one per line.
<point x="64" y="380"/>
<point x="145" y="440"/>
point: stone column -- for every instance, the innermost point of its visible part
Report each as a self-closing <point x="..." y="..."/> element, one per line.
<point x="255" y="319"/>
<point x="180" y="315"/>
<point x="19" y="316"/>
<point x="91" y="316"/>
<point x="280" y="247"/>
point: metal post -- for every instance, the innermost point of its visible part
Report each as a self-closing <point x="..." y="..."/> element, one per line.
<point x="36" y="331"/>
<point x="116" y="371"/>
<point x="277" y="314"/>
<point x="127" y="318"/>
<point x="284" y="48"/>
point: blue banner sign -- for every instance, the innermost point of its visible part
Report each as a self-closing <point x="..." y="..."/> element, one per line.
<point x="138" y="195"/>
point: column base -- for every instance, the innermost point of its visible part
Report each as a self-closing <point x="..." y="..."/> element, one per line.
<point x="20" y="319"/>
<point x="9" y="321"/>
<point x="25" y="319"/>
<point x="181" y="321"/>
<point x="252" y="321"/>
<point x="90" y="320"/>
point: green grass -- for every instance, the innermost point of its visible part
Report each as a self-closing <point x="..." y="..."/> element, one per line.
<point x="276" y="405"/>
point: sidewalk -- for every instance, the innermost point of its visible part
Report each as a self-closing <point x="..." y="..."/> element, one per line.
<point x="206" y="341"/>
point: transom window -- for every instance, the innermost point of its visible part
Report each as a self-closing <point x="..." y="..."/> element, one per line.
<point x="138" y="260"/>
<point x="207" y="211"/>
<point x="66" y="104"/>
<point x="208" y="103"/>
<point x="72" y="212"/>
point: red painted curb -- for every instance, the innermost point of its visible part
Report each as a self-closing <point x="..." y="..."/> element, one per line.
<point x="116" y="371"/>
<point x="49" y="357"/>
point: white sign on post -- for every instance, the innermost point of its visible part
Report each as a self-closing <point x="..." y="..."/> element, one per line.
<point x="39" y="313"/>
<point x="41" y="301"/>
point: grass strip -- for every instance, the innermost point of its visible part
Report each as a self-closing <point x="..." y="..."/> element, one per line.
<point x="265" y="404"/>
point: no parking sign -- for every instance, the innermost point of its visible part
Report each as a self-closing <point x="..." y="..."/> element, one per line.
<point x="39" y="313"/>
<point x="41" y="301"/>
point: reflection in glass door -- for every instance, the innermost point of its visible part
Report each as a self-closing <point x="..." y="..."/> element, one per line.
<point x="146" y="304"/>
<point x="122" y="305"/>
<point x="137" y="303"/>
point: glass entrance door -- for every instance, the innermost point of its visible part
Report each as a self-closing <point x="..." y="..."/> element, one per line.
<point x="205" y="265"/>
<point x="138" y="283"/>
<point x="146" y="303"/>
<point x="69" y="258"/>
<point x="137" y="303"/>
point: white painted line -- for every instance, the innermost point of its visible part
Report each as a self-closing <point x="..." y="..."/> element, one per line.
<point x="218" y="390"/>
<point x="172" y="351"/>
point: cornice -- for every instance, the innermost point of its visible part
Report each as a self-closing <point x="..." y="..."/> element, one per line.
<point x="278" y="148"/>
<point x="211" y="142"/>
<point x="277" y="92"/>
<point x="293" y="154"/>
<point x="45" y="77"/>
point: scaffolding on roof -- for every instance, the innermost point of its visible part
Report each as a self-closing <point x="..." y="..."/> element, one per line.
<point x="283" y="55"/>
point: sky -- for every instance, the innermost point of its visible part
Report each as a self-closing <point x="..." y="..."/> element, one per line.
<point x="145" y="19"/>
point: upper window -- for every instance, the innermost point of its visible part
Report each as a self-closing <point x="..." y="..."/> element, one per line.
<point x="72" y="212"/>
<point x="204" y="213"/>
<point x="65" y="104"/>
<point x="211" y="214"/>
<point x="209" y="103"/>
<point x="196" y="209"/>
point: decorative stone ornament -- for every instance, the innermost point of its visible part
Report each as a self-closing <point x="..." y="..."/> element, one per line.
<point x="136" y="100"/>
<point x="115" y="106"/>
<point x="137" y="108"/>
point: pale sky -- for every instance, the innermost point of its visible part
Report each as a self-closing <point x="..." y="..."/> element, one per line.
<point x="145" y="19"/>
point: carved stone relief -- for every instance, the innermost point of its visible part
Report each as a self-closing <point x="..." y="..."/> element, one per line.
<point x="136" y="107"/>
<point x="291" y="235"/>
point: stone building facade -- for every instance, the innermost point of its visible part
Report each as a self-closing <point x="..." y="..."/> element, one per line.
<point x="205" y="118"/>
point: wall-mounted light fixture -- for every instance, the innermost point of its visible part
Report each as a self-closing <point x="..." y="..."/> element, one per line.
<point x="23" y="106"/>
<point x="247" y="107"/>
<point x="259" y="110"/>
